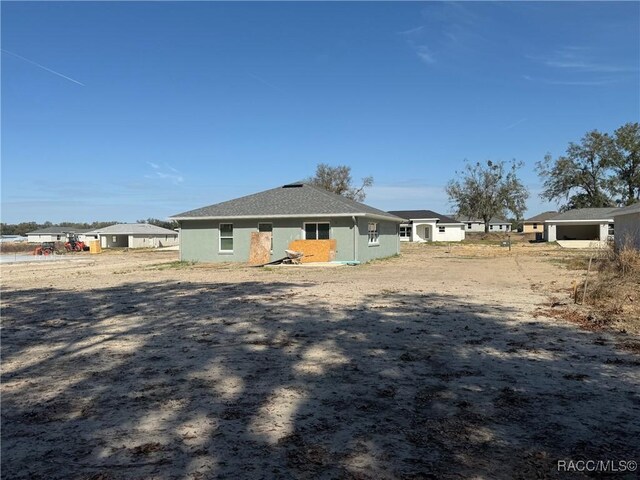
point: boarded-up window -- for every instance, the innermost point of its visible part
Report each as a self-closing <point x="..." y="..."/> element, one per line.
<point x="267" y="227"/>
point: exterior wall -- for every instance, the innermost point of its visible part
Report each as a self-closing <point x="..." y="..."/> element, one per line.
<point x="550" y="232"/>
<point x="199" y="239"/>
<point x="152" y="241"/>
<point x="479" y="227"/>
<point x="495" y="227"/>
<point x="529" y="227"/>
<point x="452" y="233"/>
<point x="475" y="226"/>
<point x="388" y="240"/>
<point x="88" y="238"/>
<point x="429" y="231"/>
<point x="47" y="237"/>
<point x="627" y="230"/>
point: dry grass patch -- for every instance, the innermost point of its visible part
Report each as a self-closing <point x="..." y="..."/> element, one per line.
<point x="614" y="290"/>
<point x="17" y="247"/>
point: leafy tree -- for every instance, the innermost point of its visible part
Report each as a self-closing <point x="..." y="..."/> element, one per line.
<point x="171" y="224"/>
<point x="485" y="191"/>
<point x="581" y="176"/>
<point x="338" y="180"/>
<point x="626" y="163"/>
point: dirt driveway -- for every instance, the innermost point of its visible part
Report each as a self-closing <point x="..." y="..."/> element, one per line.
<point x="431" y="365"/>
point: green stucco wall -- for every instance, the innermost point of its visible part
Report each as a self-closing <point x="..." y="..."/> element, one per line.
<point x="388" y="240"/>
<point x="199" y="239"/>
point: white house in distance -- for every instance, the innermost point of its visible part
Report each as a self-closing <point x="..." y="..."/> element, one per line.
<point x="627" y="222"/>
<point x="476" y="225"/>
<point x="428" y="226"/>
<point x="51" y="234"/>
<point x="132" y="235"/>
<point x="594" y="224"/>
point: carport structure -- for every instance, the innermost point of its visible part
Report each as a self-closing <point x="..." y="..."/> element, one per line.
<point x="594" y="224"/>
<point x="133" y="235"/>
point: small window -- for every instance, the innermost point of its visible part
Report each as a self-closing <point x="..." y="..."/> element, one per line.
<point x="373" y="233"/>
<point x="490" y="227"/>
<point x="114" y="239"/>
<point x="226" y="237"/>
<point x="610" y="229"/>
<point x="316" y="231"/>
<point x="58" y="237"/>
<point x="500" y="227"/>
<point x="441" y="229"/>
<point x="535" y="226"/>
<point x="405" y="232"/>
<point x="469" y="226"/>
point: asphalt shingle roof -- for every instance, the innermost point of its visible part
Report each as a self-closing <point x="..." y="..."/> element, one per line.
<point x="411" y="214"/>
<point x="634" y="208"/>
<point x="55" y="230"/>
<point x="133" y="229"/>
<point x="297" y="199"/>
<point x="541" y="217"/>
<point x="586" y="214"/>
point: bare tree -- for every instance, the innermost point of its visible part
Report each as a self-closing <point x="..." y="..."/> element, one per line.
<point x="338" y="180"/>
<point x="487" y="191"/>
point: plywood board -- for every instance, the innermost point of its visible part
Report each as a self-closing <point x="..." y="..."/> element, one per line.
<point x="260" y="249"/>
<point x="315" y="250"/>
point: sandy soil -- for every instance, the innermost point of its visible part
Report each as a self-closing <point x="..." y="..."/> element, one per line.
<point x="436" y="364"/>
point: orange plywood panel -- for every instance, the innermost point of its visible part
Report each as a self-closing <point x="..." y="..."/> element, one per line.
<point x="260" y="249"/>
<point x="315" y="250"/>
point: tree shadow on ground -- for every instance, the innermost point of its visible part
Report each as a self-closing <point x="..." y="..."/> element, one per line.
<point x="270" y="380"/>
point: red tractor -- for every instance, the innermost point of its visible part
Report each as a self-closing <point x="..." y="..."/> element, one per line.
<point x="75" y="245"/>
<point x="46" y="248"/>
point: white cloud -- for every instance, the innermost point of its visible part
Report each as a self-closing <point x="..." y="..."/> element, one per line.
<point x="424" y="54"/>
<point x="166" y="172"/>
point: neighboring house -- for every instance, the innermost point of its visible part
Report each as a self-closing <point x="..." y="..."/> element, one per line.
<point x="595" y="224"/>
<point x="536" y="223"/>
<point x="428" y="226"/>
<point x="627" y="222"/>
<point x="477" y="224"/>
<point x="132" y="235"/>
<point x="51" y="234"/>
<point x="298" y="211"/>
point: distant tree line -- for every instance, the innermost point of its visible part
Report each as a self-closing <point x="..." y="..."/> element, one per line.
<point x="25" y="227"/>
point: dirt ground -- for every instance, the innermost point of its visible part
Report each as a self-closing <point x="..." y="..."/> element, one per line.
<point x="434" y="364"/>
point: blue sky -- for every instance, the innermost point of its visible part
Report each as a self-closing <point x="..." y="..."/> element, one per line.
<point x="122" y="111"/>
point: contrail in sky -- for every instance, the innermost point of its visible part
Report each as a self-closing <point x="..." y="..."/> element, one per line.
<point x="42" y="66"/>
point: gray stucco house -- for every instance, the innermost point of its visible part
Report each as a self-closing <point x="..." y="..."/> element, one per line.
<point x="297" y="211"/>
